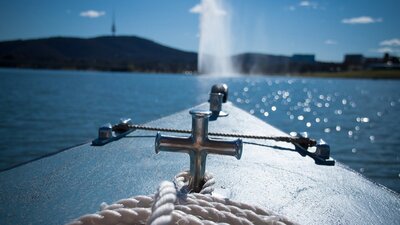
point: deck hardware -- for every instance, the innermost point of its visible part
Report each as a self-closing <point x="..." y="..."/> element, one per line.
<point x="108" y="133"/>
<point x="303" y="141"/>
<point x="304" y="135"/>
<point x="105" y="132"/>
<point x="221" y="88"/>
<point x="123" y="125"/>
<point x="198" y="145"/>
<point x="322" y="149"/>
<point x="320" y="152"/>
<point x="218" y="95"/>
<point x="216" y="105"/>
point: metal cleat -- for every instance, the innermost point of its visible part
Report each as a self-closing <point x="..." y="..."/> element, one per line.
<point x="198" y="145"/>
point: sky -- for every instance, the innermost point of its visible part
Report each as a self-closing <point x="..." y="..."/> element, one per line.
<point x="327" y="28"/>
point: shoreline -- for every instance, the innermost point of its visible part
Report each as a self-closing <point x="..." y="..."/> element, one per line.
<point x="360" y="74"/>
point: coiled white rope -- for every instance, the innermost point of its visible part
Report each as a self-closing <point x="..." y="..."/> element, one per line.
<point x="173" y="204"/>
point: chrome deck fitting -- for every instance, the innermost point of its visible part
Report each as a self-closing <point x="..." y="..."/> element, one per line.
<point x="105" y="132"/>
<point x="198" y="145"/>
<point x="218" y="95"/>
<point x="108" y="133"/>
<point x="320" y="152"/>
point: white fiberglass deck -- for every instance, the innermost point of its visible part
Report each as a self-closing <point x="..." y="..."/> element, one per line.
<point x="57" y="189"/>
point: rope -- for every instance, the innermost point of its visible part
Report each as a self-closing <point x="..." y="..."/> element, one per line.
<point x="163" y="205"/>
<point x="173" y="204"/>
<point x="294" y="140"/>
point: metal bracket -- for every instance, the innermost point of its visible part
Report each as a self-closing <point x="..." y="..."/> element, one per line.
<point x="218" y="95"/>
<point x="108" y="134"/>
<point x="320" y="152"/>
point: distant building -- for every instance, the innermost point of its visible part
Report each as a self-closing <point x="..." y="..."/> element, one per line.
<point x="387" y="62"/>
<point x="303" y="58"/>
<point x="368" y="61"/>
<point x="353" y="59"/>
<point x="113" y="27"/>
<point x="390" y="60"/>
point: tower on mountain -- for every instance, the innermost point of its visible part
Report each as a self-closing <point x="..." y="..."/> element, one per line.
<point x="113" y="28"/>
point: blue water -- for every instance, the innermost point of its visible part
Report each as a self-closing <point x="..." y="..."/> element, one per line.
<point x="42" y="111"/>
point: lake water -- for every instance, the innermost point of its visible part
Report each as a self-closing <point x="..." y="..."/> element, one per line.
<point x="42" y="111"/>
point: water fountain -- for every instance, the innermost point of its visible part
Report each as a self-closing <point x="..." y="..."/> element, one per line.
<point x="214" y="55"/>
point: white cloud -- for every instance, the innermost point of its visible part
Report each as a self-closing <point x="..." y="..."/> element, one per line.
<point x="92" y="13"/>
<point x="305" y="3"/>
<point x="330" y="42"/>
<point x="196" y="9"/>
<point x="362" y="20"/>
<point x="309" y="4"/>
<point x="391" y="42"/>
<point x="386" y="50"/>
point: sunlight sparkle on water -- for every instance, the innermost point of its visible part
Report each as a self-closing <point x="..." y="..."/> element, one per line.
<point x="341" y="116"/>
<point x="372" y="138"/>
<point x="338" y="112"/>
<point x="362" y="119"/>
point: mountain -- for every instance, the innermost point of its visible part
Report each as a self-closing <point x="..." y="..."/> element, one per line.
<point x="122" y="53"/>
<point x="131" y="53"/>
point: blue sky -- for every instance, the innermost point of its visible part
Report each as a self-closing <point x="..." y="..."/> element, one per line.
<point x="326" y="28"/>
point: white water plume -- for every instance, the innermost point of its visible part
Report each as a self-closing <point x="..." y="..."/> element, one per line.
<point x="214" y="55"/>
